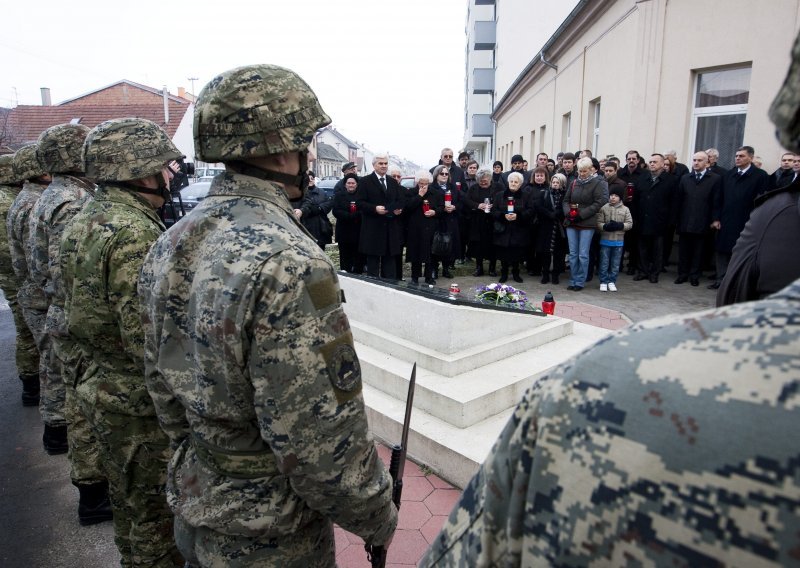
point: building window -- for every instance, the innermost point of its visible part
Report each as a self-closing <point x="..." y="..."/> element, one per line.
<point x="566" y="133"/>
<point x="532" y="159"/>
<point x="542" y="132"/>
<point x="594" y="125"/>
<point x="720" y="111"/>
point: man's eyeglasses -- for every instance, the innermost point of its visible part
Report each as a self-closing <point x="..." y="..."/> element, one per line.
<point x="397" y="176"/>
<point x="447" y="155"/>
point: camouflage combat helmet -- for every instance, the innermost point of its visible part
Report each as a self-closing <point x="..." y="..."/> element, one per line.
<point x="255" y="111"/>
<point x="26" y="164"/>
<point x="124" y="149"/>
<point x="59" y="148"/>
<point x="7" y="170"/>
<point x="785" y="109"/>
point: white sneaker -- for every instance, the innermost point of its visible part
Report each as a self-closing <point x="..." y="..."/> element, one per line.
<point x="604" y="287"/>
<point x="612" y="287"/>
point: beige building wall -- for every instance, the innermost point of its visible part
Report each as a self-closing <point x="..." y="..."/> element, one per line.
<point x="640" y="60"/>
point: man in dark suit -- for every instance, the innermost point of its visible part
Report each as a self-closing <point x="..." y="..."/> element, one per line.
<point x="652" y="199"/>
<point x="714" y="167"/>
<point x="694" y="203"/>
<point x="630" y="173"/>
<point x="733" y="204"/>
<point x="381" y="200"/>
<point x="517" y="165"/>
<point x="784" y="175"/>
<point x="457" y="175"/>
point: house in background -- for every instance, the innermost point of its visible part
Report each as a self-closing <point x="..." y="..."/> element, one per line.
<point x="329" y="161"/>
<point x="23" y="124"/>
<point x="341" y="144"/>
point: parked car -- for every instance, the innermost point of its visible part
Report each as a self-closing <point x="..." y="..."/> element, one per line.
<point x="207" y="172"/>
<point x="193" y="194"/>
<point x="327" y="185"/>
<point x="408" y="182"/>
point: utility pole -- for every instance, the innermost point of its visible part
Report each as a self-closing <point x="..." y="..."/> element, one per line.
<point x="192" y="80"/>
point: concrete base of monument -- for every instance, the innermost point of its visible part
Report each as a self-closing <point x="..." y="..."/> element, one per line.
<point x="473" y="365"/>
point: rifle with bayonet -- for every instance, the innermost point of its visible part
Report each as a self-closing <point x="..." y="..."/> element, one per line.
<point x="377" y="554"/>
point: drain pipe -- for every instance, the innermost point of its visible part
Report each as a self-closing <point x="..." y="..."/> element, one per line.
<point x="546" y="62"/>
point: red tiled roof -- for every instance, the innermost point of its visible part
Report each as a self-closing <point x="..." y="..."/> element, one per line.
<point x="26" y="122"/>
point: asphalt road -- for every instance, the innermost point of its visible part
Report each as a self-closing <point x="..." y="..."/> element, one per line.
<point x="38" y="504"/>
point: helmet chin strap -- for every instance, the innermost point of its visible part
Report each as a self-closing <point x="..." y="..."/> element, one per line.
<point x="300" y="180"/>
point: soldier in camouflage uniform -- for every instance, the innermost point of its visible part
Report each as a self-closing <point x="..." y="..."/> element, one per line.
<point x="249" y="356"/>
<point x="101" y="254"/>
<point x="30" y="296"/>
<point x="668" y="444"/>
<point x="27" y="356"/>
<point x="59" y="151"/>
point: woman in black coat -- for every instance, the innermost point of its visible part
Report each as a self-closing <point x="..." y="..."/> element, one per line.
<point x="314" y="211"/>
<point x="481" y="234"/>
<point x="512" y="232"/>
<point x="539" y="181"/>
<point x="424" y="208"/>
<point x="551" y="240"/>
<point x="448" y="221"/>
<point x="348" y="226"/>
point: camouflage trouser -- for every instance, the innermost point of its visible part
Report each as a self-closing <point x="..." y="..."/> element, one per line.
<point x="51" y="396"/>
<point x="135" y="453"/>
<point x="27" y="354"/>
<point x="202" y="546"/>
<point x="84" y="448"/>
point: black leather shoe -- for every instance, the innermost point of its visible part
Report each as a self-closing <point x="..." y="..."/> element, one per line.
<point x="503" y="278"/>
<point x="55" y="440"/>
<point x="639" y="277"/>
<point x="430" y="281"/>
<point x="570" y="287"/>
<point x="545" y="279"/>
<point x="694" y="281"/>
<point x="516" y="277"/>
<point x="415" y="280"/>
<point x="654" y="279"/>
<point x="447" y="274"/>
<point x="577" y="288"/>
<point x="713" y="286"/>
<point x="493" y="274"/>
<point x="681" y="279"/>
<point x="30" y="390"/>
<point x="94" y="505"/>
<point x="555" y="279"/>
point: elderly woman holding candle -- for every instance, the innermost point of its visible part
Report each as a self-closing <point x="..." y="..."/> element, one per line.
<point x="423" y="209"/>
<point x="512" y="216"/>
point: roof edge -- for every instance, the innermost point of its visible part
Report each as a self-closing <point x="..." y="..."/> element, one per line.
<point x="584" y="11"/>
<point x="152" y="90"/>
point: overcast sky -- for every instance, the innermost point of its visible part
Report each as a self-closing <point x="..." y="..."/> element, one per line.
<point x="390" y="74"/>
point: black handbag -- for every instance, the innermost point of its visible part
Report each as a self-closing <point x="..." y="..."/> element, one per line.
<point x="442" y="244"/>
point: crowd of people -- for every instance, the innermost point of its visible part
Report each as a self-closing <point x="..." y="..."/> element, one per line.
<point x="205" y="386"/>
<point x="577" y="212"/>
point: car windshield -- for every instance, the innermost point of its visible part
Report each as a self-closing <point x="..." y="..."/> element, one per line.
<point x="196" y="190"/>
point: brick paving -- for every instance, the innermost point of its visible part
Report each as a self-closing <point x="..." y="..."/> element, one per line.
<point x="426" y="503"/>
